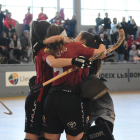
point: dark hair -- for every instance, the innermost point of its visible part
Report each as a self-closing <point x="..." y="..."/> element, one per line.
<point x="52" y="31"/>
<point x="105" y="36"/>
<point x="67" y="22"/>
<point x="2" y="34"/>
<point x="114" y="19"/>
<point x="38" y="31"/>
<point x="93" y="42"/>
<point x="13" y="36"/>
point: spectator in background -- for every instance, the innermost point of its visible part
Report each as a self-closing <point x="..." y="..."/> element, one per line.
<point x="4" y="45"/>
<point x="73" y="23"/>
<point x="62" y="15"/>
<point x="100" y="30"/>
<point x="9" y="25"/>
<point x="121" y="50"/>
<point x="130" y="42"/>
<point x="26" y="49"/>
<point x="107" y="26"/>
<point x="114" y="30"/>
<point x="133" y="28"/>
<point x="6" y="13"/>
<point x="139" y="52"/>
<point x="67" y="27"/>
<point x="105" y="42"/>
<point x="15" y="45"/>
<point x="99" y="22"/>
<point x="124" y="26"/>
<point x="133" y="54"/>
<point x="106" y="38"/>
<point x="92" y="31"/>
<point x="2" y="16"/>
<point x="27" y="20"/>
<point x="138" y="41"/>
<point x="130" y="21"/>
<point x="42" y="16"/>
<point x="57" y="19"/>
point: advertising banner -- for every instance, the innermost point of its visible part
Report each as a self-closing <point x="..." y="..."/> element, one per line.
<point x="18" y="78"/>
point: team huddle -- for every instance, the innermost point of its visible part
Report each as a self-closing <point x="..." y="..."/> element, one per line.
<point x="59" y="106"/>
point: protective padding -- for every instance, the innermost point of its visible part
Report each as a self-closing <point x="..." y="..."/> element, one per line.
<point x="98" y="132"/>
<point x="92" y="87"/>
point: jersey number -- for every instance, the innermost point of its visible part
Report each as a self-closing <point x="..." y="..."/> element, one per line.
<point x="58" y="69"/>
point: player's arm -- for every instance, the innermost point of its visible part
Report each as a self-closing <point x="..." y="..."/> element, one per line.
<point x="88" y="52"/>
<point x="80" y="62"/>
<point x="101" y="49"/>
<point x="60" y="62"/>
<point x="56" y="38"/>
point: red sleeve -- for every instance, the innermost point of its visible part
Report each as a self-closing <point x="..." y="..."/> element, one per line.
<point x="31" y="16"/>
<point x="46" y="17"/>
<point x="129" y="43"/>
<point x="6" y="24"/>
<point x="26" y="17"/>
<point x="13" y="22"/>
<point x="82" y="50"/>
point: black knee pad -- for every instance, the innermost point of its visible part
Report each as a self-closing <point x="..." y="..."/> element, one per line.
<point x="101" y="120"/>
<point x="98" y="132"/>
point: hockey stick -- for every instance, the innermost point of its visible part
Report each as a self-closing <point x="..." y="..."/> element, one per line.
<point x="10" y="112"/>
<point x="121" y="38"/>
<point x="107" y="57"/>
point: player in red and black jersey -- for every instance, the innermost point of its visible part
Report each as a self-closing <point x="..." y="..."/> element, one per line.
<point x="63" y="107"/>
<point x="34" y="101"/>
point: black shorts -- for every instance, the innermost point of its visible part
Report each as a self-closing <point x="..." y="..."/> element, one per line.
<point x="34" y="113"/>
<point x="63" y="111"/>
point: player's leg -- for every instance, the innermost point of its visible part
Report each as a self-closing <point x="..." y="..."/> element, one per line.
<point x="33" y="120"/>
<point x="72" y="115"/>
<point x="52" y="125"/>
<point x="78" y="137"/>
<point x="52" y="136"/>
<point x="29" y="136"/>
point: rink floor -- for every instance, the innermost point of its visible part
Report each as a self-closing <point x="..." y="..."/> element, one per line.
<point x="127" y="123"/>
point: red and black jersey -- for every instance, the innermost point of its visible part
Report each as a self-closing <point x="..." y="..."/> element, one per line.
<point x="41" y="57"/>
<point x="42" y="76"/>
<point x="71" y="50"/>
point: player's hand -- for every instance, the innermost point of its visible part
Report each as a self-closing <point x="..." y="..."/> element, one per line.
<point x="81" y="62"/>
<point x="37" y="46"/>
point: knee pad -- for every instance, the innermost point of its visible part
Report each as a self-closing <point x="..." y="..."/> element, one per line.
<point x="98" y="132"/>
<point x="101" y="120"/>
